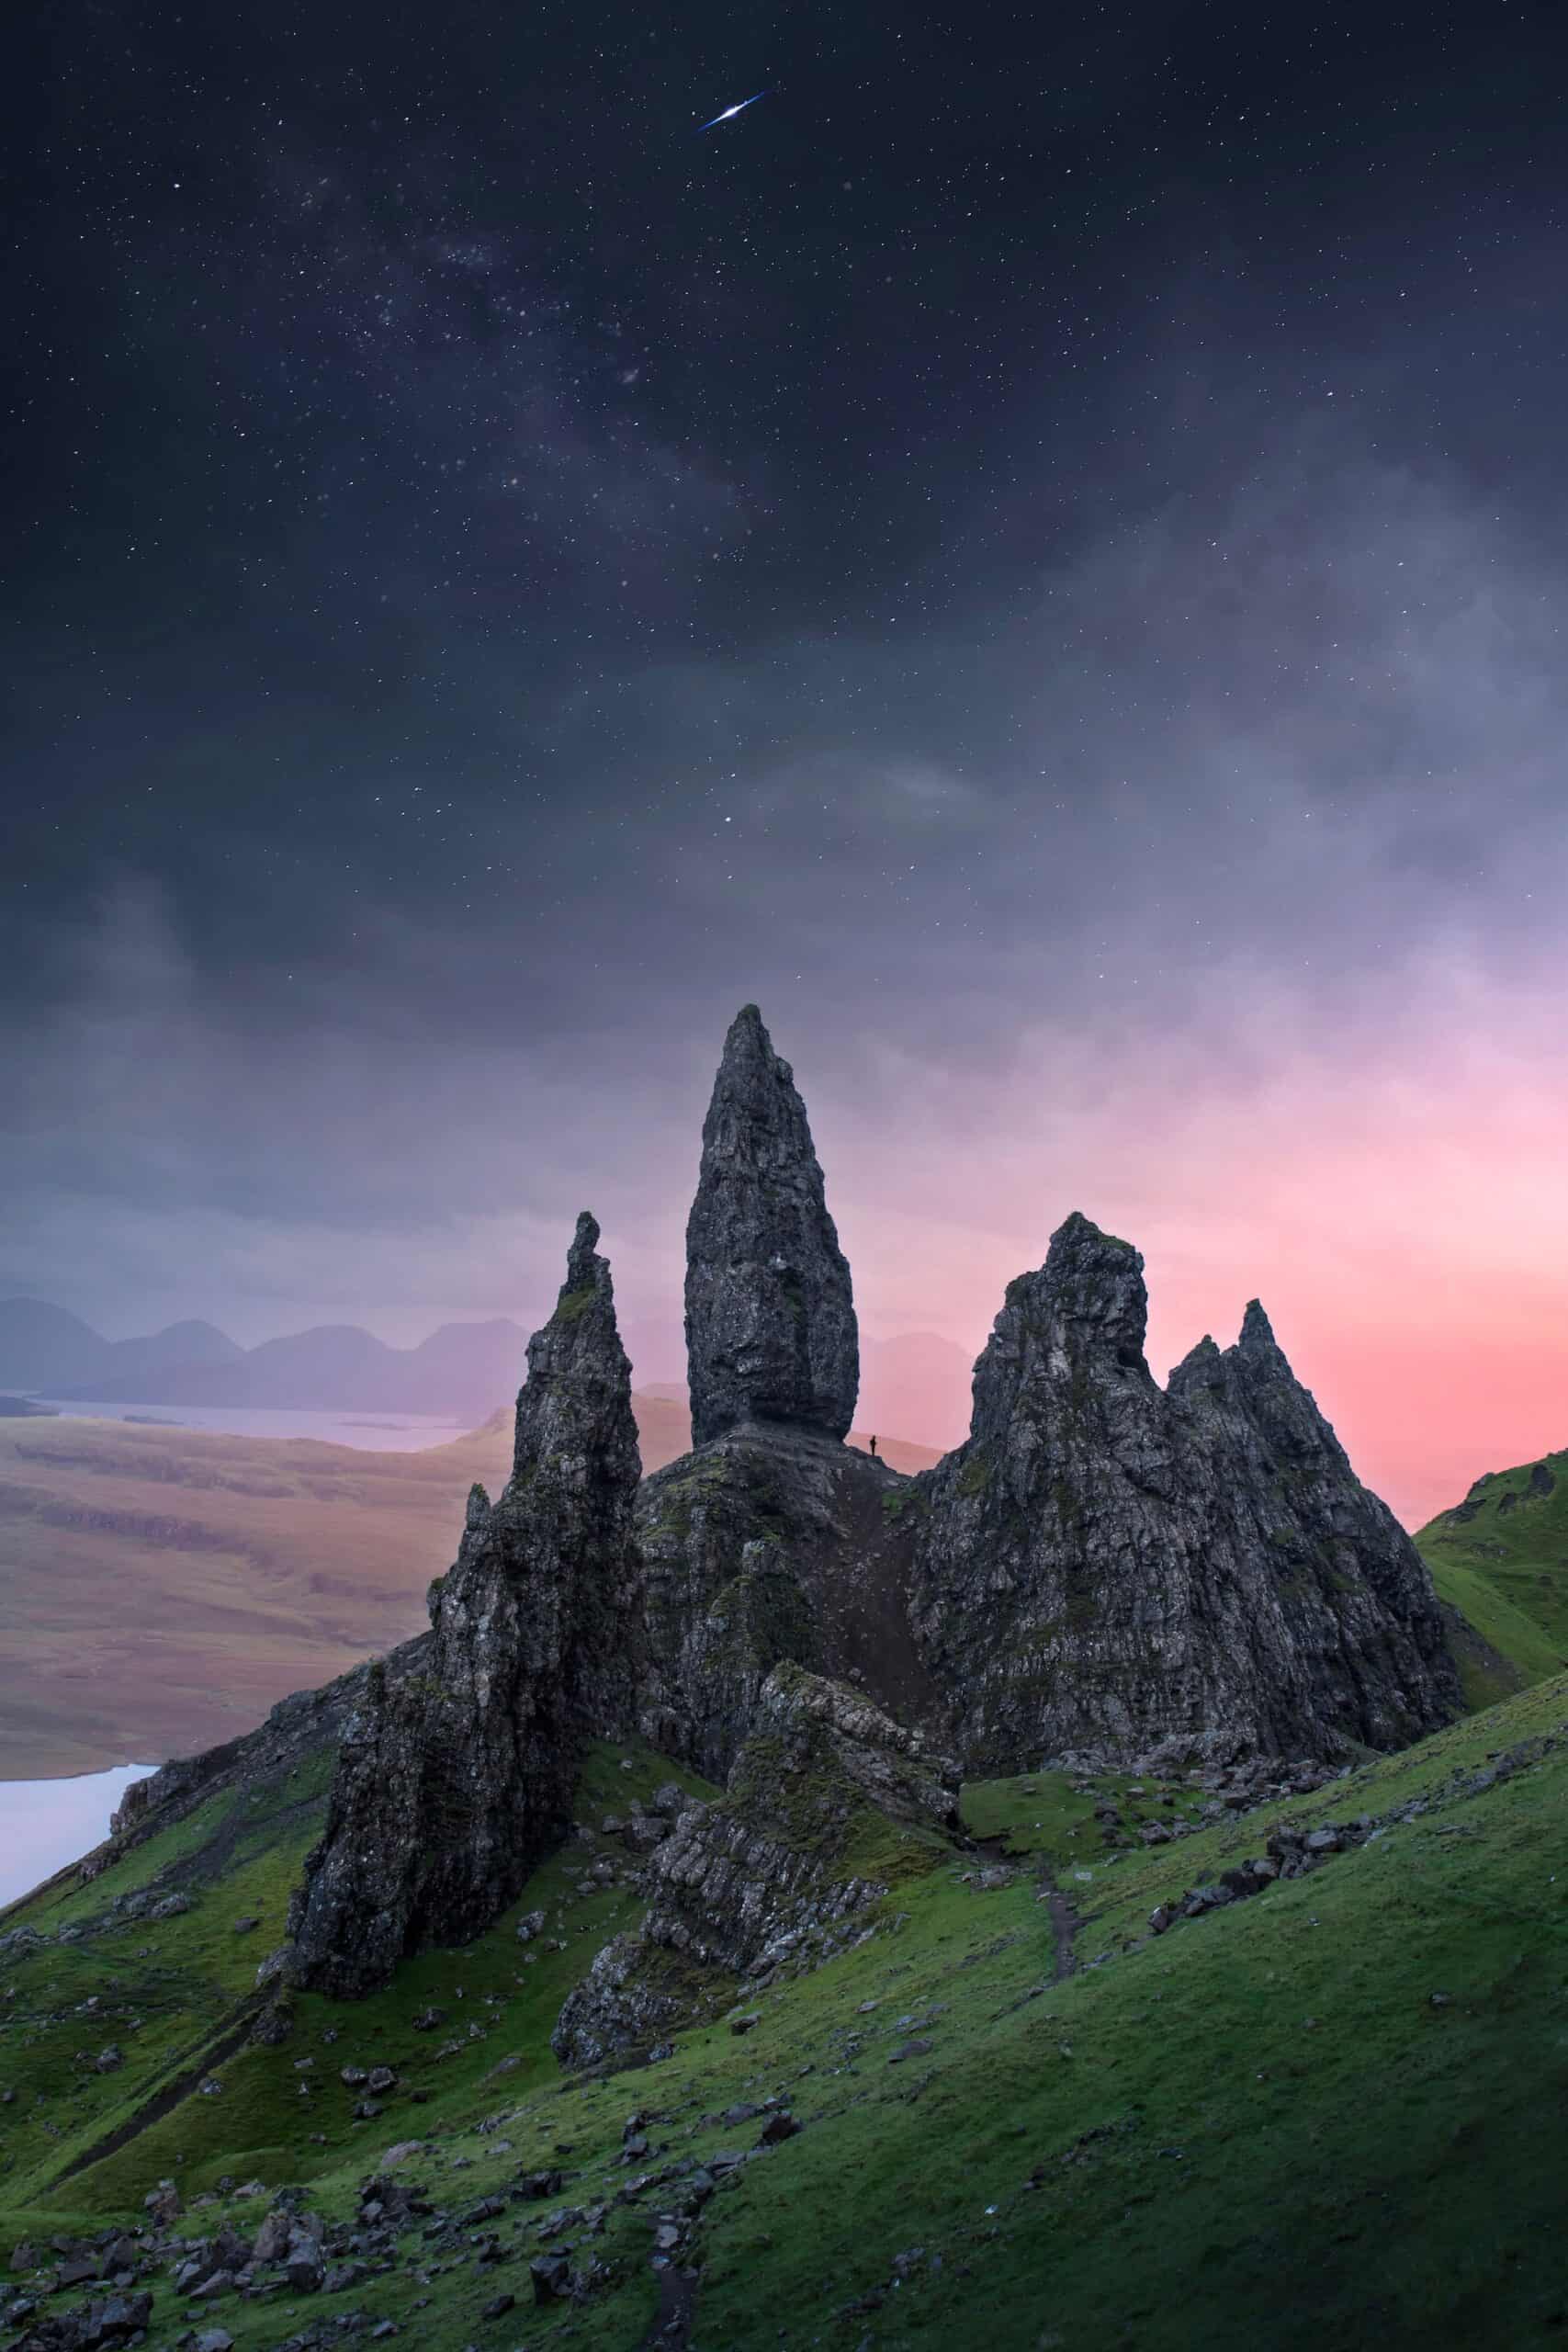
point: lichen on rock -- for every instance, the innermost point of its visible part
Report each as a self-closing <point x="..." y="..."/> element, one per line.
<point x="830" y="1803"/>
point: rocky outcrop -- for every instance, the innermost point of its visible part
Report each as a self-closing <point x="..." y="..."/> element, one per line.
<point x="770" y="1317"/>
<point x="454" y="1781"/>
<point x="1102" y="1565"/>
<point x="297" y="1728"/>
<point x="772" y="1542"/>
<point x="830" y="1803"/>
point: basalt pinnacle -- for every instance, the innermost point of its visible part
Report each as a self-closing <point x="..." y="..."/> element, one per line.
<point x="771" y="1330"/>
<point x="1106" y="1565"/>
<point x="456" y="1773"/>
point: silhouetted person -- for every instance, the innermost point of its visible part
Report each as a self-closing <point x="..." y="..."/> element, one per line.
<point x="874" y="1449"/>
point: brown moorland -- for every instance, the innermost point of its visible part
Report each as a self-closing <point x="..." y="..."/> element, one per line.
<point x="162" y="1588"/>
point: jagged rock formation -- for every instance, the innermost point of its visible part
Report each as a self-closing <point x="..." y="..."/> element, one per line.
<point x="829" y="1803"/>
<point x="771" y="1543"/>
<point x="1102" y="1563"/>
<point x="771" y="1330"/>
<point x="1101" y="1566"/>
<point x="454" y="1781"/>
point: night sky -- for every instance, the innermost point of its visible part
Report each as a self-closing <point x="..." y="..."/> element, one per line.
<point x="1038" y="551"/>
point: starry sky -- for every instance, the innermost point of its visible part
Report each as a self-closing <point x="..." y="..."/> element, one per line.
<point x="1038" y="552"/>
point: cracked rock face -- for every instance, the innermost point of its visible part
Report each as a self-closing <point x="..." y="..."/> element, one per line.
<point x="457" y="1777"/>
<point x="771" y="1331"/>
<point x="774" y="1875"/>
<point x="1104" y="1563"/>
<point x="771" y="1543"/>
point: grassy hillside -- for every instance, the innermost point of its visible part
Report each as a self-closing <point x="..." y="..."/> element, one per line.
<point x="1501" y="1558"/>
<point x="159" y="1589"/>
<point x="1325" y="2117"/>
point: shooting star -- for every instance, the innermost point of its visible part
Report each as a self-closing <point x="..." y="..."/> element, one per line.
<point x="730" y="112"/>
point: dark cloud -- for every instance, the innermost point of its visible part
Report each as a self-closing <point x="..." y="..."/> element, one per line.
<point x="1030" y="573"/>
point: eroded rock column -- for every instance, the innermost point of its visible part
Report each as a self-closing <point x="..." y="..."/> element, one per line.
<point x="771" y="1330"/>
<point x="454" y="1781"/>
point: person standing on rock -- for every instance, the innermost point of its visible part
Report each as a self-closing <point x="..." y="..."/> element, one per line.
<point x="874" y="1449"/>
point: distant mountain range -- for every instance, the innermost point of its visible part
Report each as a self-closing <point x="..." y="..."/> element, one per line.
<point x="915" y="1385"/>
<point x="464" y="1369"/>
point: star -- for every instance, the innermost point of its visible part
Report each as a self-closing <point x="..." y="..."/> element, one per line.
<point x="730" y="111"/>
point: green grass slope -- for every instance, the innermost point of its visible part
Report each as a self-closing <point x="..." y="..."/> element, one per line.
<point x="1502" y="1562"/>
<point x="1326" y="2117"/>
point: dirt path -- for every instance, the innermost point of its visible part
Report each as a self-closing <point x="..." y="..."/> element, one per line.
<point x="1064" y="1920"/>
<point x="676" y="2315"/>
<point x="1064" y="1926"/>
<point x="230" y="2037"/>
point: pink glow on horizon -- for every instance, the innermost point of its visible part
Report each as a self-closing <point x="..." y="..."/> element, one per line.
<point x="1398" y="1205"/>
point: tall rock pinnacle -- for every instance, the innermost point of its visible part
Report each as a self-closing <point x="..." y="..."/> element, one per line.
<point x="457" y="1772"/>
<point x="1105" y="1564"/>
<point x="770" y="1316"/>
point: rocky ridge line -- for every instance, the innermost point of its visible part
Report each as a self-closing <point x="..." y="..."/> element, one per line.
<point x="1104" y="1563"/>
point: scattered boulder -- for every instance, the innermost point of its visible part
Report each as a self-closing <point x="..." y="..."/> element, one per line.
<point x="551" y="2277"/>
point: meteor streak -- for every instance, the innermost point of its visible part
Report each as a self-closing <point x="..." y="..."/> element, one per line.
<point x="730" y="111"/>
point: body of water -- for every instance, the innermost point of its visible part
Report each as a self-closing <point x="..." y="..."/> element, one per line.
<point x="377" y="1433"/>
<point x="46" y="1824"/>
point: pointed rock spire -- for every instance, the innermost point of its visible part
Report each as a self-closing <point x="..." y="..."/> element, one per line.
<point x="1199" y="1368"/>
<point x="458" y="1771"/>
<point x="1103" y="1564"/>
<point x="1081" y="1316"/>
<point x="578" y="1395"/>
<point x="771" y="1329"/>
<point x="1257" y="1333"/>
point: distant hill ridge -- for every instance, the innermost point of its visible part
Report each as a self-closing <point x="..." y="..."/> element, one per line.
<point x="1500" y="1558"/>
<point x="461" y="1369"/>
<point x="915" y="1382"/>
